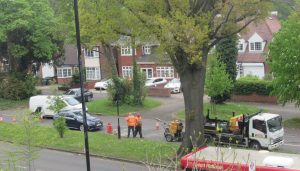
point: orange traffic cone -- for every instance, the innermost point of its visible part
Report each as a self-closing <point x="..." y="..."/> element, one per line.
<point x="1" y="118"/>
<point x="157" y="125"/>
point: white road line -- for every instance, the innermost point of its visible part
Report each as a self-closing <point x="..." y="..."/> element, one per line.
<point x="294" y="145"/>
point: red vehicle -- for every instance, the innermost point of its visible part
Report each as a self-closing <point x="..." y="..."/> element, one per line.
<point x="232" y="159"/>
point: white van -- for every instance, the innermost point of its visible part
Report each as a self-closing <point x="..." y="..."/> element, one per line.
<point x="41" y="103"/>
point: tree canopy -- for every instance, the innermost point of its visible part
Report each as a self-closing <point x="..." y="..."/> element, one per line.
<point x="284" y="60"/>
<point x="28" y="33"/>
<point x="186" y="32"/>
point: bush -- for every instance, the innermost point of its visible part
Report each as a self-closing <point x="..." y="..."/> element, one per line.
<point x="121" y="90"/>
<point x="60" y="126"/>
<point x="250" y="85"/>
<point x="17" y="87"/>
<point x="64" y="87"/>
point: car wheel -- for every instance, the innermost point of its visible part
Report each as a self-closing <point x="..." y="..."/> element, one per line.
<point x="255" y="145"/>
<point x="81" y="128"/>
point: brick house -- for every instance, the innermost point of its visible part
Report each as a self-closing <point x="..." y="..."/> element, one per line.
<point x="148" y="61"/>
<point x="90" y="62"/>
<point x="253" y="47"/>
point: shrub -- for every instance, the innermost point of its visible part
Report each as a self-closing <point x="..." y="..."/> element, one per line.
<point x="120" y="90"/>
<point x="60" y="126"/>
<point x="17" y="87"/>
<point x="249" y="85"/>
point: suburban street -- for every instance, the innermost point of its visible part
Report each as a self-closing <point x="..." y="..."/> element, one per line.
<point x="55" y="160"/>
<point x="50" y="160"/>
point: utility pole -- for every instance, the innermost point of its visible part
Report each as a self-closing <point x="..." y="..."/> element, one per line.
<point x="86" y="139"/>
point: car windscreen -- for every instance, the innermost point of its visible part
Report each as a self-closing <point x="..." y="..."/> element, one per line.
<point x="149" y="81"/>
<point x="175" y="81"/>
<point x="79" y="113"/>
<point x="71" y="101"/>
<point x="275" y="124"/>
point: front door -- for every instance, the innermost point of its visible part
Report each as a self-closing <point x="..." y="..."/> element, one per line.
<point x="148" y="72"/>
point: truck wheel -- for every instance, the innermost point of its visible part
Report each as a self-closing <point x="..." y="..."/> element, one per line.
<point x="255" y="145"/>
<point x="169" y="137"/>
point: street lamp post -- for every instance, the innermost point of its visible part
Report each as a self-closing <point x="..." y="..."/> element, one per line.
<point x="86" y="140"/>
<point x="119" y="129"/>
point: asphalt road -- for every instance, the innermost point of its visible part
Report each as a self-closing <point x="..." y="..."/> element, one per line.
<point x="50" y="160"/>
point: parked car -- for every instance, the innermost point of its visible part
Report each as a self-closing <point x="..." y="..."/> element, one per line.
<point x="74" y="120"/>
<point x="155" y="81"/>
<point x="174" y="85"/>
<point x="41" y="103"/>
<point x="76" y="93"/>
<point x="103" y="85"/>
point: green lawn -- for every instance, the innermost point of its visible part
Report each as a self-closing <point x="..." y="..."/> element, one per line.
<point x="292" y="123"/>
<point x="100" y="144"/>
<point x="104" y="106"/>
<point x="9" y="104"/>
<point x="224" y="111"/>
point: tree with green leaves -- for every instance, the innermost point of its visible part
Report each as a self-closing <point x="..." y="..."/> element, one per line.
<point x="28" y="33"/>
<point x="186" y="32"/>
<point x="217" y="81"/>
<point x="227" y="53"/>
<point x="284" y="59"/>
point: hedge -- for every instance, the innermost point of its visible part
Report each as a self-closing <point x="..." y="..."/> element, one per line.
<point x="250" y="85"/>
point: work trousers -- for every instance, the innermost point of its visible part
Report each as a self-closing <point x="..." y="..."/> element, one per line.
<point x="138" y="129"/>
<point x="129" y="129"/>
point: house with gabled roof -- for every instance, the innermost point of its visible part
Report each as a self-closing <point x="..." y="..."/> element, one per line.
<point x="253" y="47"/>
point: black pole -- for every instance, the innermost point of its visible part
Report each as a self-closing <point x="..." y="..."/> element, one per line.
<point x="86" y="139"/>
<point x="119" y="129"/>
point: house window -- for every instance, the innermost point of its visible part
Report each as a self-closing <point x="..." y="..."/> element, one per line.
<point x="240" y="70"/>
<point x="166" y="72"/>
<point x="94" y="53"/>
<point x="64" y="72"/>
<point x="126" y="51"/>
<point x="241" y="47"/>
<point x="92" y="73"/>
<point x="256" y="46"/>
<point x="127" y="71"/>
<point x="147" y="50"/>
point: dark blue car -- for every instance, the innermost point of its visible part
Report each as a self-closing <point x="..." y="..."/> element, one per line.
<point x="74" y="120"/>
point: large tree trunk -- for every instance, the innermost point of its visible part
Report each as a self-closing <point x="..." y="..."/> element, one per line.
<point x="110" y="58"/>
<point x="192" y="84"/>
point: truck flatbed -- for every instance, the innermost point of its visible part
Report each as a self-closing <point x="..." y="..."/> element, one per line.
<point x="222" y="158"/>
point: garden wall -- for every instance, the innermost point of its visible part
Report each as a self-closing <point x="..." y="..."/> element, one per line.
<point x="254" y="98"/>
<point x="159" y="92"/>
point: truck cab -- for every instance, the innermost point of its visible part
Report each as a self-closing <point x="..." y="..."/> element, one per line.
<point x="266" y="131"/>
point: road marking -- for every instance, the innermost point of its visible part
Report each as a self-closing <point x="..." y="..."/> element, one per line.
<point x="294" y="145"/>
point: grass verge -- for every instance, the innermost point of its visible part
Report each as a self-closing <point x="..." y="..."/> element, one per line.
<point x="9" y="104"/>
<point x="292" y="123"/>
<point x="105" y="107"/>
<point x="99" y="143"/>
<point x="224" y="111"/>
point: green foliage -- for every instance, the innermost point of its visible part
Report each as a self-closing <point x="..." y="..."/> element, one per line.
<point x="139" y="89"/>
<point x="121" y="90"/>
<point x="217" y="80"/>
<point x="16" y="87"/>
<point x="285" y="61"/>
<point x="28" y="139"/>
<point x="292" y="123"/>
<point x="225" y="110"/>
<point x="105" y="107"/>
<point x="227" y="53"/>
<point x="56" y="103"/>
<point x="100" y="144"/>
<point x="284" y="8"/>
<point x="249" y="85"/>
<point x="76" y="77"/>
<point x="28" y="33"/>
<point x="60" y="126"/>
